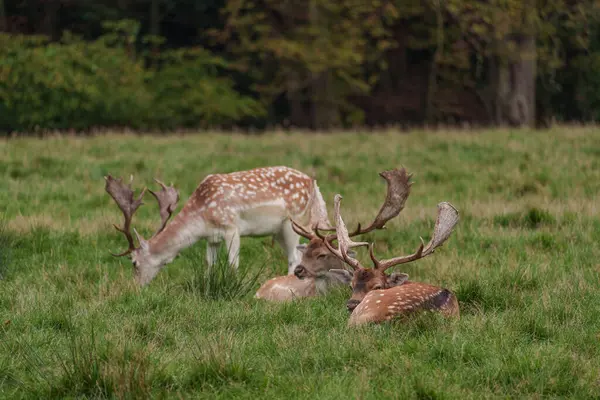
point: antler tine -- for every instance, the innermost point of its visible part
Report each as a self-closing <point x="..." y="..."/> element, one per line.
<point x="301" y="230"/>
<point x="446" y="221"/>
<point x="123" y="195"/>
<point x="398" y="189"/>
<point x="167" y="203"/>
<point x="344" y="241"/>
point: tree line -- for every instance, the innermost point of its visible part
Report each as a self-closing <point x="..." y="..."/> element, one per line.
<point x="165" y="64"/>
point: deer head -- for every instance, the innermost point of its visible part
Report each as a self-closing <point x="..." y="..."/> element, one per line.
<point x="144" y="265"/>
<point x="363" y="280"/>
<point x="317" y="259"/>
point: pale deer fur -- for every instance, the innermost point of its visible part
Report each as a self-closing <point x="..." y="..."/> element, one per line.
<point x="224" y="207"/>
<point x="378" y="297"/>
<point x="315" y="279"/>
<point x="408" y="298"/>
<point x="289" y="287"/>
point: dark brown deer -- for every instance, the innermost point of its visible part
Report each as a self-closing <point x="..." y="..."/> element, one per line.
<point x="378" y="297"/>
<point x="319" y="269"/>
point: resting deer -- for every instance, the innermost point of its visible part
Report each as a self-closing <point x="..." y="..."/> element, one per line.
<point x="378" y="297"/>
<point x="257" y="202"/>
<point x="318" y="268"/>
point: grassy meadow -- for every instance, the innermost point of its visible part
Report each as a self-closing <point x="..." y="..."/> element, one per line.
<point x="523" y="262"/>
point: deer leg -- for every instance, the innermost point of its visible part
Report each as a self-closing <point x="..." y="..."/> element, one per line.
<point x="232" y="241"/>
<point x="289" y="240"/>
<point x="212" y="252"/>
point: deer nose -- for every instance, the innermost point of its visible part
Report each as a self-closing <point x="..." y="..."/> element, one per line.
<point x="299" y="271"/>
<point x="351" y="304"/>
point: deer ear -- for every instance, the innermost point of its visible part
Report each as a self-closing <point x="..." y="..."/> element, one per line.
<point x="341" y="275"/>
<point x="351" y="253"/>
<point x="301" y="248"/>
<point x="397" y="279"/>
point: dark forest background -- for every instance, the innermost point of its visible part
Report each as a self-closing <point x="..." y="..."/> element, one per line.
<point x="169" y="64"/>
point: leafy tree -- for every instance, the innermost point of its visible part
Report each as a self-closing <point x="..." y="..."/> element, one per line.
<point x="316" y="54"/>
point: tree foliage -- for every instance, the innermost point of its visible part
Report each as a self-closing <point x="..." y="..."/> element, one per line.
<point x="107" y="82"/>
<point x="309" y="63"/>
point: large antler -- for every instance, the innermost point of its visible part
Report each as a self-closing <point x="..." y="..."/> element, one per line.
<point x="167" y="202"/>
<point x="398" y="189"/>
<point x="444" y="225"/>
<point x="123" y="196"/>
<point x="446" y="221"/>
<point x="344" y="242"/>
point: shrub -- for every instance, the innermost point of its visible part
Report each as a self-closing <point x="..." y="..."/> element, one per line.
<point x="70" y="84"/>
<point x="188" y="92"/>
<point x="73" y="84"/>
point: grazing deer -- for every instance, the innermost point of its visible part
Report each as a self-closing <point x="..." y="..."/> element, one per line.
<point x="257" y="202"/>
<point x="318" y="268"/>
<point x="378" y="297"/>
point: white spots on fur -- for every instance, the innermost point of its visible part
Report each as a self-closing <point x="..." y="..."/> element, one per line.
<point x="219" y="197"/>
<point x="378" y="301"/>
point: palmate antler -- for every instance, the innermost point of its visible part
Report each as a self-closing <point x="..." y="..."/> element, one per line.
<point x="123" y="195"/>
<point x="446" y="221"/>
<point x="398" y="189"/>
<point x="167" y="203"/>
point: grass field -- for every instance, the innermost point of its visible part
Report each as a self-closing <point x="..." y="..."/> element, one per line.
<point x="523" y="262"/>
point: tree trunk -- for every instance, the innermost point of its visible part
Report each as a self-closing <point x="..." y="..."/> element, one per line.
<point x="3" y="22"/>
<point x="49" y="25"/>
<point x="515" y="100"/>
<point x="433" y="73"/>
<point x="154" y="17"/>
<point x="298" y="117"/>
<point x="324" y="111"/>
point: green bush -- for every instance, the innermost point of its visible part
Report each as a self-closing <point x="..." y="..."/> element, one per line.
<point x="70" y="84"/>
<point x="73" y="84"/>
<point x="189" y="92"/>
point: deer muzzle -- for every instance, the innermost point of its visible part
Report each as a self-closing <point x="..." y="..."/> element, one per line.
<point x="300" y="272"/>
<point x="352" y="304"/>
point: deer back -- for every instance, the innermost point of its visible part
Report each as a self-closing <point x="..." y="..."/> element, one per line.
<point x="408" y="298"/>
<point x="286" y="288"/>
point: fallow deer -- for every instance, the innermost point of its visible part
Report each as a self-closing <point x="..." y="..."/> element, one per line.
<point x="318" y="268"/>
<point x="257" y="202"/>
<point x="378" y="297"/>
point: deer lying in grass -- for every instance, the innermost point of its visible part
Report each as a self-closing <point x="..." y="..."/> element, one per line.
<point x="290" y="287"/>
<point x="378" y="297"/>
<point x="318" y="270"/>
<point x="256" y="202"/>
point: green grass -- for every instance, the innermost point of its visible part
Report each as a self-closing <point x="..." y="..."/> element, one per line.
<point x="523" y="262"/>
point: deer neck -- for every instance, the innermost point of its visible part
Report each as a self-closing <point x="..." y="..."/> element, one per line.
<point x="179" y="234"/>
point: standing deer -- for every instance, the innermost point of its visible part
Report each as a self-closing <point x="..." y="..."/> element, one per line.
<point x="257" y="202"/>
<point x="378" y="297"/>
<point x="318" y="268"/>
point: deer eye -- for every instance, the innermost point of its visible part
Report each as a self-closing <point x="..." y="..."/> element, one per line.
<point x="321" y="256"/>
<point x="377" y="287"/>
